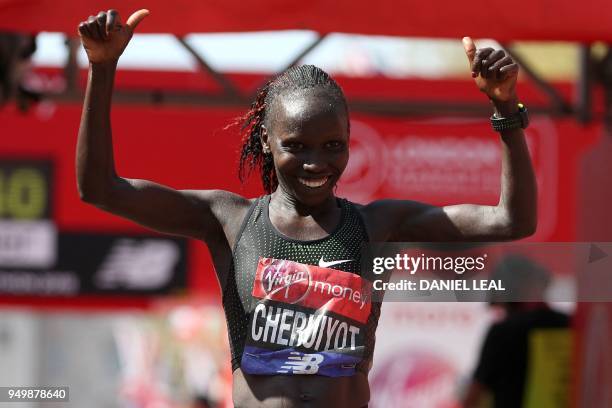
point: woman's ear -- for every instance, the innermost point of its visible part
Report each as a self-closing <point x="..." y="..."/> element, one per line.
<point x="265" y="145"/>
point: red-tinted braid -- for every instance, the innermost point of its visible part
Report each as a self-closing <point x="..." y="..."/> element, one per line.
<point x="252" y="155"/>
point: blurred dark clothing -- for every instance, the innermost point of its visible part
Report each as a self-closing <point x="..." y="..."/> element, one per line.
<point x="510" y="361"/>
<point x="15" y="52"/>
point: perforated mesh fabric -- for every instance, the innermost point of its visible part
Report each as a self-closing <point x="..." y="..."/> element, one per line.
<point x="258" y="238"/>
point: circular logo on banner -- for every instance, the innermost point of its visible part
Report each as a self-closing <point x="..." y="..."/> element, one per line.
<point x="414" y="379"/>
<point x="286" y="281"/>
<point x="367" y="167"/>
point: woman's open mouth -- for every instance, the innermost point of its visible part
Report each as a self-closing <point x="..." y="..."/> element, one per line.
<point x="313" y="182"/>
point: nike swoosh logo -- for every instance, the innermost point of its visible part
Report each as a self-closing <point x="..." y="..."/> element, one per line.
<point x="324" y="264"/>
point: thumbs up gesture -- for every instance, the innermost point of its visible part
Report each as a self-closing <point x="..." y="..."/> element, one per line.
<point x="104" y="37"/>
<point x="494" y="72"/>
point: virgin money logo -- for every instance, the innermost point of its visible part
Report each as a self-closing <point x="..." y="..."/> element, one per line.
<point x="414" y="379"/>
<point x="285" y="281"/>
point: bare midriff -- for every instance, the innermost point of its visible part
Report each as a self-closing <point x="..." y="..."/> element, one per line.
<point x="304" y="391"/>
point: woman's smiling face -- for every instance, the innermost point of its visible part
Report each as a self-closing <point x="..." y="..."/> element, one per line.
<point x="307" y="134"/>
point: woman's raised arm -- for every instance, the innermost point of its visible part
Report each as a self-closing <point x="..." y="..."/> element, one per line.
<point x="515" y="215"/>
<point x="201" y="214"/>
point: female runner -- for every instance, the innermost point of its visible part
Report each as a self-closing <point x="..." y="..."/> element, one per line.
<point x="301" y="333"/>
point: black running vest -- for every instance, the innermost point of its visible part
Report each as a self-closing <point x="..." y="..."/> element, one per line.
<point x="257" y="240"/>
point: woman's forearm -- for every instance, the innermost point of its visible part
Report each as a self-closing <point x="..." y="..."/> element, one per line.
<point x="94" y="156"/>
<point x="518" y="198"/>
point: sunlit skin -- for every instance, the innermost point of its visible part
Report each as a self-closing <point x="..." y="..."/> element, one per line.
<point x="307" y="134"/>
<point x="308" y="138"/>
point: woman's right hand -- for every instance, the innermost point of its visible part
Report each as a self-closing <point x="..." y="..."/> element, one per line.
<point x="104" y="37"/>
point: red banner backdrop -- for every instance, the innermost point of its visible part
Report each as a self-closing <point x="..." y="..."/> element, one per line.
<point x="525" y="20"/>
<point x="437" y="161"/>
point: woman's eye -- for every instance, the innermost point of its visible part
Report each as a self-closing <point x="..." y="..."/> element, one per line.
<point x="294" y="145"/>
<point x="335" y="145"/>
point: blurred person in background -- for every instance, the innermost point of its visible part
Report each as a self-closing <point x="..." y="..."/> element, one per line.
<point x="15" y="53"/>
<point x="603" y="73"/>
<point x="291" y="345"/>
<point x="524" y="361"/>
<point x="203" y="402"/>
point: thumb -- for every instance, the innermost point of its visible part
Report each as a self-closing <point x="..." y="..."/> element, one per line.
<point x="470" y="48"/>
<point x="136" y="18"/>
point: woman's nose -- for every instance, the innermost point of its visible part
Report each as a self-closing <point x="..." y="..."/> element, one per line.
<point x="314" y="165"/>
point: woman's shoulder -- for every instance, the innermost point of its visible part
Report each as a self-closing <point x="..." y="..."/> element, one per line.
<point x="373" y="218"/>
<point x="230" y="209"/>
<point x="227" y="207"/>
<point x="234" y="205"/>
<point x="381" y="217"/>
<point x="224" y="200"/>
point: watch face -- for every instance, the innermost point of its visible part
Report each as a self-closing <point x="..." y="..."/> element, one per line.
<point x="519" y="120"/>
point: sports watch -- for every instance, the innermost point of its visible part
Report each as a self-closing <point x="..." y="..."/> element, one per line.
<point x="520" y="120"/>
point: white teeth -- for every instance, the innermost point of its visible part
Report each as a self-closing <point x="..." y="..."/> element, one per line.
<point x="313" y="183"/>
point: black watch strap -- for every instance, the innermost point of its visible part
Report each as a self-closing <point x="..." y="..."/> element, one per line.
<point x="520" y="120"/>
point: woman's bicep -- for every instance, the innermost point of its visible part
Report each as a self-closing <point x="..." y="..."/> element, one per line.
<point x="402" y="220"/>
<point x="414" y="221"/>
<point x="463" y="222"/>
<point x="167" y="210"/>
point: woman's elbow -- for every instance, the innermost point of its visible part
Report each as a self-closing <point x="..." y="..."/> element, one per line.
<point x="94" y="191"/>
<point x="84" y="194"/>
<point x="91" y="196"/>
<point x="523" y="229"/>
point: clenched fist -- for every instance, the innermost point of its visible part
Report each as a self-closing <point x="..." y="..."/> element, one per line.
<point x="494" y="72"/>
<point x="104" y="37"/>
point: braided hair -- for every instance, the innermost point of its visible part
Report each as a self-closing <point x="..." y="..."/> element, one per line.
<point x="296" y="78"/>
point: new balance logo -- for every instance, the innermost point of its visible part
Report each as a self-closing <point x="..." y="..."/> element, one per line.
<point x="145" y="264"/>
<point x="299" y="363"/>
<point x="324" y="264"/>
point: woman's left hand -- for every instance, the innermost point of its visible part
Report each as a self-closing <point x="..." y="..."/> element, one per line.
<point x="494" y="72"/>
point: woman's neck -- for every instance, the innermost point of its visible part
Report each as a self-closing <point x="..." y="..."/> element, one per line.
<point x="287" y="202"/>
